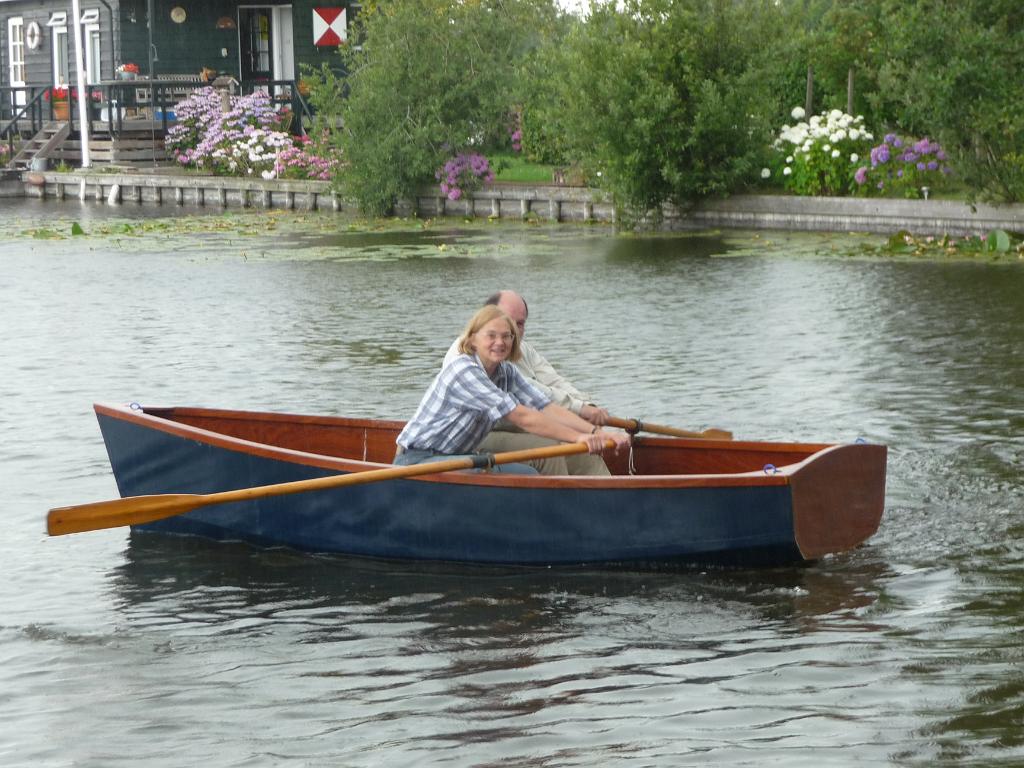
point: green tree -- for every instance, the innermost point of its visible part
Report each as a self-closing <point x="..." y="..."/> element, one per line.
<point x="659" y="100"/>
<point x="430" y="78"/>
<point x="951" y="71"/>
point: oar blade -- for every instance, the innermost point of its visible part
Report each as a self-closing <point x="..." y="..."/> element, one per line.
<point x="716" y="434"/>
<point x="134" y="510"/>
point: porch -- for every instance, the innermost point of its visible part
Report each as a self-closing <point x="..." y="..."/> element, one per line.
<point x="129" y="119"/>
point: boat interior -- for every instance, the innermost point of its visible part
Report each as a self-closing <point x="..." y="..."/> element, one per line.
<point x="374" y="441"/>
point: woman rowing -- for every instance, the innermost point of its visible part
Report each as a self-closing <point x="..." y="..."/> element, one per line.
<point x="481" y="386"/>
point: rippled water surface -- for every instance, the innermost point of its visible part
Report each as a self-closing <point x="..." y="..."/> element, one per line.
<point x="125" y="650"/>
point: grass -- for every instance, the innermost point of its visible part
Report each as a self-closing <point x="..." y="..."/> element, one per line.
<point x="514" y="167"/>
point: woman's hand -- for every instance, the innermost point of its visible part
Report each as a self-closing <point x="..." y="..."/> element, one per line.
<point x="596" y="442"/>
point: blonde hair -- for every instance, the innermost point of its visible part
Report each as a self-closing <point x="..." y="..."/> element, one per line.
<point x="483" y="316"/>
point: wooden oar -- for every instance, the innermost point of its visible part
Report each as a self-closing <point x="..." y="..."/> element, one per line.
<point x="635" y="425"/>
<point x="136" y="510"/>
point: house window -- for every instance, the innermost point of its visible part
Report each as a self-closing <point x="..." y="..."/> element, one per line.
<point x="61" y="65"/>
<point x="16" y="57"/>
<point x="16" y="49"/>
<point x="92" y="52"/>
<point x="59" y="52"/>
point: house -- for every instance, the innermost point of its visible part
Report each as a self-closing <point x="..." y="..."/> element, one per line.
<point x="260" y="44"/>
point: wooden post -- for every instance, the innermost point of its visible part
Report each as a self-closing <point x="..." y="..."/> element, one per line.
<point x="809" y="101"/>
<point x="849" y="91"/>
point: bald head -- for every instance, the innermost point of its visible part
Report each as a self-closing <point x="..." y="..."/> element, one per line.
<point x="513" y="305"/>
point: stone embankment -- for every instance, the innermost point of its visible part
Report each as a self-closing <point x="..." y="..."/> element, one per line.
<point x="553" y="203"/>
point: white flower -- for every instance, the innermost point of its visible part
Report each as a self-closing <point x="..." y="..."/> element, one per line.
<point x="765" y="173"/>
<point x="827" y="148"/>
<point x="789" y="159"/>
<point x="835" y="153"/>
<point x="854" y="134"/>
<point x="798" y="113"/>
<point x="268" y="175"/>
<point x="787" y="171"/>
<point x="854" y="157"/>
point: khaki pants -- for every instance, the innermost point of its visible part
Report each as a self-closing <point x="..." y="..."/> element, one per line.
<point x="578" y="464"/>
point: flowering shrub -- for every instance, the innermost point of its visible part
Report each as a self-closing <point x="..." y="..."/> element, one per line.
<point x="129" y="67"/>
<point x="821" y="153"/>
<point x="247" y="140"/>
<point x="464" y="174"/>
<point x="298" y="162"/>
<point x="515" y="131"/>
<point x="903" y="167"/>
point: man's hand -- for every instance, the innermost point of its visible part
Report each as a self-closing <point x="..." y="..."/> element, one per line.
<point x="593" y="414"/>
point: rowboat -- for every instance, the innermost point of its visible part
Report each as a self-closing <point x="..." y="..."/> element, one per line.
<point x="672" y="502"/>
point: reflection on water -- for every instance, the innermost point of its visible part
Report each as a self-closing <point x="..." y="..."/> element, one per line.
<point x="128" y="650"/>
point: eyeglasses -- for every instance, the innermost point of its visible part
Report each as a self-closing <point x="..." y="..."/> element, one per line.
<point x="494" y="336"/>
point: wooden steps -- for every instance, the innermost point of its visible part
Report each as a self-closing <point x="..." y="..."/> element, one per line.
<point x="44" y="144"/>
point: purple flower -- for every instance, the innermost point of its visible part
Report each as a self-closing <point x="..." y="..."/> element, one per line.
<point x="861" y="175"/>
<point x="890" y="138"/>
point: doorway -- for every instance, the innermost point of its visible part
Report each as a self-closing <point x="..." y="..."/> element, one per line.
<point x="266" y="47"/>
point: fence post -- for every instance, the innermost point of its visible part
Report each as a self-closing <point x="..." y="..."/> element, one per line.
<point x="809" y="102"/>
<point x="849" y="91"/>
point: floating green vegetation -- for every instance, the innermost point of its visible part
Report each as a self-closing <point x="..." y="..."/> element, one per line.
<point x="997" y="244"/>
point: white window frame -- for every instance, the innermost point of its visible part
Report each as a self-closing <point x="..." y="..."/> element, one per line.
<point x="16" y="56"/>
<point x="93" y="58"/>
<point x="60" y="44"/>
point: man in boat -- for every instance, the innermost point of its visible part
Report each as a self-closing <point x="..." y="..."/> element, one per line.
<point x="506" y="436"/>
<point x="481" y="385"/>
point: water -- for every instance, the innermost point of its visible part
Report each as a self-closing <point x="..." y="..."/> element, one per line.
<point x="126" y="650"/>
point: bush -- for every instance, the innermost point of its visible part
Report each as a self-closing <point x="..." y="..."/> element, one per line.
<point x="901" y="167"/>
<point x="822" y="153"/>
<point x="248" y="140"/>
<point x="661" y="101"/>
<point x="463" y="174"/>
<point x="431" y="79"/>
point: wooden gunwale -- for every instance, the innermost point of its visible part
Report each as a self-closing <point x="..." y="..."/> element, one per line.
<point x="161" y="419"/>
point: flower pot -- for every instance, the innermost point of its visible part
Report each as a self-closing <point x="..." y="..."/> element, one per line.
<point x="61" y="110"/>
<point x="127" y="75"/>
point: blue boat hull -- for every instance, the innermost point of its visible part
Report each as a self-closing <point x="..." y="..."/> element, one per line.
<point x="515" y="523"/>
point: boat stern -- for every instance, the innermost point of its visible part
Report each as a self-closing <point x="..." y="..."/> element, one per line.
<point x="838" y="498"/>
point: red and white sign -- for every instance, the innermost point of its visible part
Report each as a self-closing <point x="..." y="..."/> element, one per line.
<point x="329" y="26"/>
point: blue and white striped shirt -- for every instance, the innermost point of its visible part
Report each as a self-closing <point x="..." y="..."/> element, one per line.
<point x="463" y="403"/>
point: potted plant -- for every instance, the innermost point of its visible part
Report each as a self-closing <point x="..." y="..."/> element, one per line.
<point x="59" y="97"/>
<point x="128" y="71"/>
